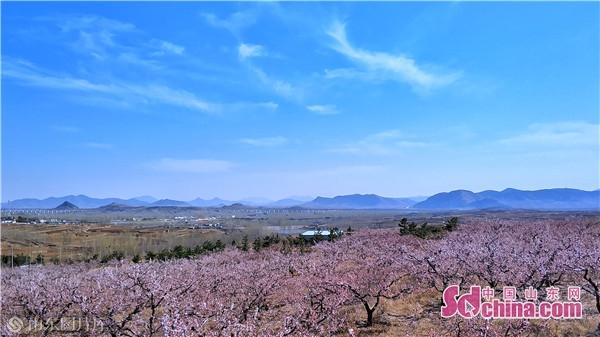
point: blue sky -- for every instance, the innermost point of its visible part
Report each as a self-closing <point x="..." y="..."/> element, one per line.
<point x="185" y="100"/>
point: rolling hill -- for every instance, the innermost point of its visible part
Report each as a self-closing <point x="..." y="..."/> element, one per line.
<point x="214" y="202"/>
<point x="284" y="203"/>
<point x="170" y="202"/>
<point x="510" y="198"/>
<point x="359" y="201"/>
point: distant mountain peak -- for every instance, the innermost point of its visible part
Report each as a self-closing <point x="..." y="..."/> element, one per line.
<point x="359" y="201"/>
<point x="236" y="205"/>
<point x="66" y="206"/>
<point x="145" y="198"/>
<point x="114" y="206"/>
<point x="214" y="202"/>
<point x="170" y="202"/>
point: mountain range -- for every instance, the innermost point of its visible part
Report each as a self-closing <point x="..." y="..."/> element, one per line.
<point x="360" y="201"/>
<point x="510" y="198"/>
<point x="83" y="201"/>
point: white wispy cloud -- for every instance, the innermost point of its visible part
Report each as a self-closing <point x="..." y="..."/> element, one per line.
<point x="351" y="73"/>
<point x="127" y="93"/>
<point x="170" y="47"/>
<point x="97" y="145"/>
<point x="268" y="105"/>
<point x="243" y="107"/>
<point x="570" y="133"/>
<point x="106" y="40"/>
<point x="381" y="65"/>
<point x="234" y="23"/>
<point x="323" y="109"/>
<point x="29" y="74"/>
<point x="77" y="23"/>
<point x="250" y="50"/>
<point x="191" y="165"/>
<point x="175" y="97"/>
<point x="135" y="59"/>
<point x="387" y="142"/>
<point x="265" y="141"/>
<point x="280" y="87"/>
<point x="94" y="35"/>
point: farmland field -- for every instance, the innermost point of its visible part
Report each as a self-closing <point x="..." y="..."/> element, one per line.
<point x="89" y="233"/>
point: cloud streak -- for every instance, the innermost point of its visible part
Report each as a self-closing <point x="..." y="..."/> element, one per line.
<point x="103" y="39"/>
<point x="323" y="109"/>
<point x="167" y="47"/>
<point x="265" y="142"/>
<point x="29" y="74"/>
<point x="234" y="23"/>
<point x="280" y="87"/>
<point x="571" y="133"/>
<point x="97" y="145"/>
<point x="380" y="65"/>
<point x="383" y="143"/>
<point x="246" y="50"/>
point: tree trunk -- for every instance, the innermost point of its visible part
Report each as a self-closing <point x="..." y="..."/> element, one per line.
<point x="595" y="288"/>
<point x="370" y="312"/>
